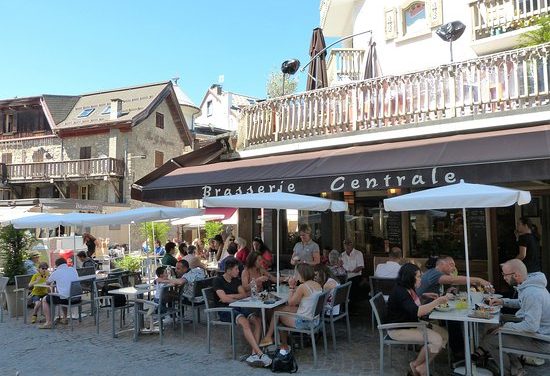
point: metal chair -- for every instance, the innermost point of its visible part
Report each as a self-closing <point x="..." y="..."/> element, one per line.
<point x="107" y="303"/>
<point x="211" y="312"/>
<point x="3" y="284"/>
<point x="90" y="270"/>
<point x="75" y="299"/>
<point x="380" y="310"/>
<point x="504" y="349"/>
<point x="316" y="324"/>
<point x="143" y="308"/>
<point x="22" y="293"/>
<point x="196" y="300"/>
<point x="341" y="299"/>
<point x="383" y="285"/>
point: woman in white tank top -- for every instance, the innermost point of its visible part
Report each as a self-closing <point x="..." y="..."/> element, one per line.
<point x="301" y="299"/>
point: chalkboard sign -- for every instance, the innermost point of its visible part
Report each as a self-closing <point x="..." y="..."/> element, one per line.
<point x="393" y="227"/>
<point x="477" y="235"/>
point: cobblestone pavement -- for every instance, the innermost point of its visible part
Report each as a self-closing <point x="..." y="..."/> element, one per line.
<point x="27" y="351"/>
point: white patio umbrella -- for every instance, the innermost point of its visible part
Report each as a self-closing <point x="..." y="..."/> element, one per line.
<point x="278" y="201"/>
<point x="459" y="196"/>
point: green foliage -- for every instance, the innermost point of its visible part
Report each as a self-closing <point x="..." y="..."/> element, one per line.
<point x="212" y="228"/>
<point x="130" y="263"/>
<point x="274" y="85"/>
<point x="14" y="246"/>
<point x="539" y="35"/>
<point x="161" y="232"/>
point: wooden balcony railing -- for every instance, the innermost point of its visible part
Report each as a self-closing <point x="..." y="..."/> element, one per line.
<point x="504" y="82"/>
<point x="82" y="168"/>
<point x="495" y="17"/>
<point x="344" y="65"/>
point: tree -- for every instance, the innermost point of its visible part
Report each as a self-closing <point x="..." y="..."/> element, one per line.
<point x="538" y="36"/>
<point x="212" y="228"/>
<point x="14" y="246"/>
<point x="161" y="232"/>
<point x="274" y="85"/>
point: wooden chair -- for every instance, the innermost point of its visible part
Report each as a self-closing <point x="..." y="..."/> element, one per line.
<point x="380" y="311"/>
<point x="211" y="312"/>
<point x="502" y="348"/>
<point x="316" y="324"/>
<point x="341" y="299"/>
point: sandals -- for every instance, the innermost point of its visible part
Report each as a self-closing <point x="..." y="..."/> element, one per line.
<point x="266" y="342"/>
<point x="413" y="370"/>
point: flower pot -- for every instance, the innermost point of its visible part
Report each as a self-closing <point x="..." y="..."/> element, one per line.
<point x="10" y="300"/>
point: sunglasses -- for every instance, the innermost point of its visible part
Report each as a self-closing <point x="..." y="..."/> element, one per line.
<point x="43" y="268"/>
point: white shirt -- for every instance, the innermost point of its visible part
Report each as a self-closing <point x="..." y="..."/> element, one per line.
<point x="354" y="260"/>
<point x="389" y="269"/>
<point x="63" y="276"/>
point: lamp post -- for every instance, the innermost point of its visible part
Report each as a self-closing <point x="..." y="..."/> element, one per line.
<point x="289" y="67"/>
<point x="450" y="32"/>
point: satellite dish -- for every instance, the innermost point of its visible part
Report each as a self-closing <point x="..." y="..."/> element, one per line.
<point x="290" y="66"/>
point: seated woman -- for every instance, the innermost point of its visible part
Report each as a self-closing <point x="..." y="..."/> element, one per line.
<point x="39" y="292"/>
<point x="267" y="257"/>
<point x="404" y="306"/>
<point x="301" y="300"/>
<point x="253" y="270"/>
<point x="323" y="276"/>
<point x="335" y="266"/>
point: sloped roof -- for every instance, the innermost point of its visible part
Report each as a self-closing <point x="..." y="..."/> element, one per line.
<point x="135" y="100"/>
<point x="183" y="99"/>
<point x="242" y="100"/>
<point x="60" y="105"/>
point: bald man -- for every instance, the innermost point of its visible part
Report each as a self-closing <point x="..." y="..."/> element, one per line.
<point x="534" y="312"/>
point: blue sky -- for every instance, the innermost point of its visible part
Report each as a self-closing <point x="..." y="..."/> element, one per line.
<point x="74" y="47"/>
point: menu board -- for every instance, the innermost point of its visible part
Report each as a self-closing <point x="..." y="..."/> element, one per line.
<point x="477" y="234"/>
<point x="393" y="227"/>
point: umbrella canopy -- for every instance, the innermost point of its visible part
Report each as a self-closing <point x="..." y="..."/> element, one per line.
<point x="8" y="214"/>
<point x="317" y="72"/>
<point x="458" y="196"/>
<point x="196" y="220"/>
<point x="372" y="66"/>
<point x="276" y="200"/>
<point x="144" y="214"/>
<point x="52" y="220"/>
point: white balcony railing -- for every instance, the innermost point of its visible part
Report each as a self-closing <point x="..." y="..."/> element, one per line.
<point x="504" y="82"/>
<point x="344" y="65"/>
<point x="495" y="17"/>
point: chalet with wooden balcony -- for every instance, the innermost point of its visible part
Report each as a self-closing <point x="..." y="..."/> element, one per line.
<point x="91" y="146"/>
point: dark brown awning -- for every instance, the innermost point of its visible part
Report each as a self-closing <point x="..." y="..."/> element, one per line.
<point x="502" y="156"/>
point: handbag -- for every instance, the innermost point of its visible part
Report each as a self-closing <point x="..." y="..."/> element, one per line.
<point x="284" y="363"/>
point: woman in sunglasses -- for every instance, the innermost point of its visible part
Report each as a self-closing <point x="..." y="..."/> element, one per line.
<point x="38" y="292"/>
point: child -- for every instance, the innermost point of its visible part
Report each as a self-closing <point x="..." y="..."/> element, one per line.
<point x="38" y="292"/>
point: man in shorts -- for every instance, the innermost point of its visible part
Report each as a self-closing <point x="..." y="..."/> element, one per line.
<point x="63" y="276"/>
<point x="228" y="289"/>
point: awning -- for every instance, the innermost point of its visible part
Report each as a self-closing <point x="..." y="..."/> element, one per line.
<point x="224" y="213"/>
<point x="513" y="155"/>
<point x="9" y="213"/>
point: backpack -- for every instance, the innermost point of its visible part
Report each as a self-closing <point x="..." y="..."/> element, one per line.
<point x="120" y="300"/>
<point x="284" y="363"/>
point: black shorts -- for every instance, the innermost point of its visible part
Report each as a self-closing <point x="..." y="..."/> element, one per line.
<point x="238" y="312"/>
<point x="54" y="299"/>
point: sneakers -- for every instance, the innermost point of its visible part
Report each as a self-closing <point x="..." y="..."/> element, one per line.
<point x="45" y="326"/>
<point x="33" y="320"/>
<point x="256" y="360"/>
<point x="532" y="361"/>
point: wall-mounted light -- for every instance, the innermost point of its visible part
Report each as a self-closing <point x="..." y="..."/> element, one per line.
<point x="394" y="191"/>
<point x="324" y="194"/>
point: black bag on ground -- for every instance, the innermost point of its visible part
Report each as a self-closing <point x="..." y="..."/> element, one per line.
<point x="120" y="300"/>
<point x="284" y="363"/>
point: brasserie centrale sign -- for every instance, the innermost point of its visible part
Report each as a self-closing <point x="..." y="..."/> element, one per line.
<point x="376" y="181"/>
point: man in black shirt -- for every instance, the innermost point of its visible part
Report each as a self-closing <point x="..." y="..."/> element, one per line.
<point x="528" y="246"/>
<point x="228" y="289"/>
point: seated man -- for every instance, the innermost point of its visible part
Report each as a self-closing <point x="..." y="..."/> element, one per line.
<point x="354" y="263"/>
<point x="228" y="289"/>
<point x="534" y="311"/>
<point x="169" y="258"/>
<point x="85" y="260"/>
<point x="186" y="277"/>
<point x="390" y="268"/>
<point x="63" y="276"/>
<point x="231" y="251"/>
<point x="191" y="250"/>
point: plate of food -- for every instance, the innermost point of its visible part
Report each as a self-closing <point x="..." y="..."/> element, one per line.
<point x="494" y="296"/>
<point x="486" y="307"/>
<point x="443" y="307"/>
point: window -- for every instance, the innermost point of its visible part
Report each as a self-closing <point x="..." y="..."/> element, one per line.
<point x="6" y="158"/>
<point x="160" y="120"/>
<point x="85" y="112"/>
<point x="106" y="110"/>
<point x="84" y="192"/>
<point x="85" y="152"/>
<point x="159" y="158"/>
<point x="414" y="18"/>
<point x="8" y="123"/>
<point x="209" y="108"/>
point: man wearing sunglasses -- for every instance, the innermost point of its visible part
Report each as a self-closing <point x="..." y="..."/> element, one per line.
<point x="534" y="312"/>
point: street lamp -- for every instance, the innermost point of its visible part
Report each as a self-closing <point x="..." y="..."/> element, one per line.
<point x="450" y="32"/>
<point x="289" y="67"/>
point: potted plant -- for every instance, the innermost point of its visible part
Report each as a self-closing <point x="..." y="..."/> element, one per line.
<point x="14" y="246"/>
<point x="132" y="264"/>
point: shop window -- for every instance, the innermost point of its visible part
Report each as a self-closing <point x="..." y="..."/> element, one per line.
<point x="160" y="120"/>
<point x="436" y="232"/>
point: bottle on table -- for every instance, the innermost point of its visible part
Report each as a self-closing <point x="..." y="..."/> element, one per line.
<point x="253" y="290"/>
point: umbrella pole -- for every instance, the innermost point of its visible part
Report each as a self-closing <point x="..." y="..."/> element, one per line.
<point x="129" y="238"/>
<point x="278" y="251"/>
<point x="466" y="250"/>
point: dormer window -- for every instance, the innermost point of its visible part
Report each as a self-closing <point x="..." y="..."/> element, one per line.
<point x="86" y="112"/>
<point x="106" y="110"/>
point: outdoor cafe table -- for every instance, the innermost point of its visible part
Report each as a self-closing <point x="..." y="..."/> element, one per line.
<point x="259" y="304"/>
<point x="133" y="293"/>
<point x="462" y="315"/>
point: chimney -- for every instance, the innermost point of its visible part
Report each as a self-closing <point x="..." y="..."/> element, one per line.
<point x="116" y="108"/>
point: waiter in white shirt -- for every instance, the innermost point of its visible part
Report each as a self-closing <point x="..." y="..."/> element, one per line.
<point x="353" y="263"/>
<point x="390" y="268"/>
